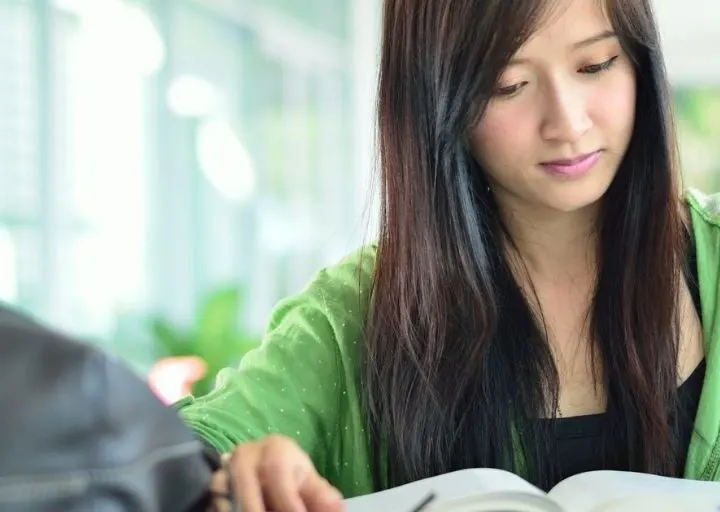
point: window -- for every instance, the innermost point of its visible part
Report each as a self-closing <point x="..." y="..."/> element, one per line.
<point x="211" y="147"/>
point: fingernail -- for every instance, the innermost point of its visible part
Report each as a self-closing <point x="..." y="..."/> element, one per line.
<point x="334" y="495"/>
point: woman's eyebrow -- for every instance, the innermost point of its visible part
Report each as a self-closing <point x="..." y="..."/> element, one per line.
<point x="608" y="34"/>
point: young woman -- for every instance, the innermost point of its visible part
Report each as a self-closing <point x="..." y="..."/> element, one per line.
<point x="541" y="297"/>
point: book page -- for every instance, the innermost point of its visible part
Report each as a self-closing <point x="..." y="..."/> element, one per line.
<point x="684" y="502"/>
<point x="499" y="501"/>
<point x="605" y="491"/>
<point x="447" y="488"/>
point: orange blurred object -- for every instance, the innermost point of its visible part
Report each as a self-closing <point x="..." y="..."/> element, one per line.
<point x="172" y="378"/>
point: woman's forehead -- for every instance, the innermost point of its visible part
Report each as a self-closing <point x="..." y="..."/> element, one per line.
<point x="570" y="25"/>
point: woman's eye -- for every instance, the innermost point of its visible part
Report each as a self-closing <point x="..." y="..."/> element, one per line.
<point x="593" y="69"/>
<point x="510" y="90"/>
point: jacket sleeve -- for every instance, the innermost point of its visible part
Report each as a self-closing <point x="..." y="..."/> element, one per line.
<point x="293" y="384"/>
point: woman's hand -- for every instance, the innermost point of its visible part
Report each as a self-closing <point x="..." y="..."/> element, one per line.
<point x="275" y="474"/>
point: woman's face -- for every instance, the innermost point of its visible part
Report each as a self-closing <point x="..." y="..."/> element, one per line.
<point x="562" y="115"/>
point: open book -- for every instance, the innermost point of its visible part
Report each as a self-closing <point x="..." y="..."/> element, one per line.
<point x="492" y="490"/>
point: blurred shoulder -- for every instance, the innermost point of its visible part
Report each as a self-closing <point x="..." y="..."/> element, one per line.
<point x="704" y="207"/>
<point x="341" y="290"/>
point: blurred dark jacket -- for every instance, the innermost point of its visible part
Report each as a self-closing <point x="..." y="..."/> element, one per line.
<point x="80" y="431"/>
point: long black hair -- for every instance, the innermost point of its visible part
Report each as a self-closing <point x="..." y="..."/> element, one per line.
<point x="457" y="367"/>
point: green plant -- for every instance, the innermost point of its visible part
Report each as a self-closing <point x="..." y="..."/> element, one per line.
<point x="217" y="336"/>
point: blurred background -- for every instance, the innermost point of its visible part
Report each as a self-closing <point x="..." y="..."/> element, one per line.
<point x="169" y="169"/>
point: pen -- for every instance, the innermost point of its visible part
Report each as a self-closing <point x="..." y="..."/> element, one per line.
<point x="424" y="503"/>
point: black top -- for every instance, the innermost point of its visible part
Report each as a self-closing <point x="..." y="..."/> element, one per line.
<point x="578" y="440"/>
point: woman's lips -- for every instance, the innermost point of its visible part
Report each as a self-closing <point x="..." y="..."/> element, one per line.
<point x="574" y="166"/>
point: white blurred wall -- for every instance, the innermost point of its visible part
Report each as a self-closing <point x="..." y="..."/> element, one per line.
<point x="690" y="30"/>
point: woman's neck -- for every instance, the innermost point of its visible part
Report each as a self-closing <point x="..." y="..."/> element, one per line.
<point x="552" y="244"/>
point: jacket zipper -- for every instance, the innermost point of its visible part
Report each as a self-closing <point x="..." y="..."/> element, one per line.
<point x="712" y="465"/>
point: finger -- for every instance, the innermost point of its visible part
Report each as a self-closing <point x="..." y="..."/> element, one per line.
<point x="244" y="471"/>
<point x="281" y="481"/>
<point x="319" y="496"/>
<point x="219" y="488"/>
